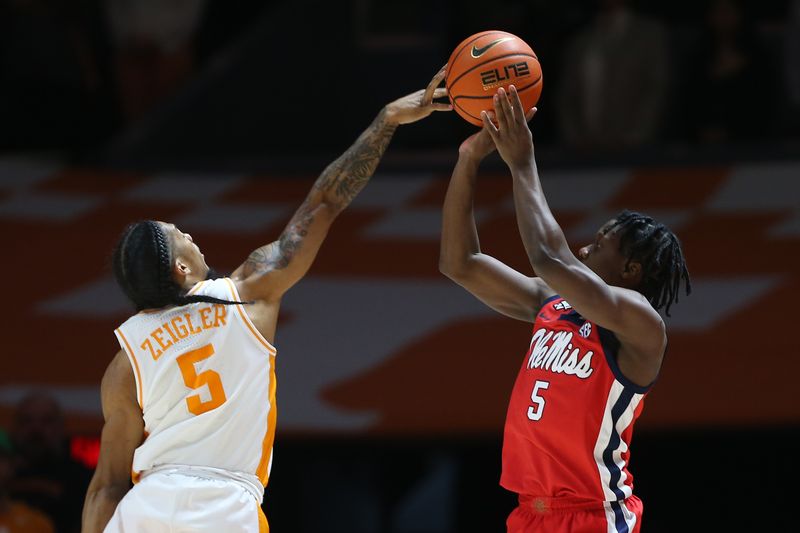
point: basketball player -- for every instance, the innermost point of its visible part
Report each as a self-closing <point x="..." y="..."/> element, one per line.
<point x="598" y="340"/>
<point x="189" y="400"/>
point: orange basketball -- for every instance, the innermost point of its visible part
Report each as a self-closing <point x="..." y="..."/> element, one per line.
<point x="483" y="63"/>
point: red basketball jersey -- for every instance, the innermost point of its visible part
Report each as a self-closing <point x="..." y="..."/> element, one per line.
<point x="571" y="415"/>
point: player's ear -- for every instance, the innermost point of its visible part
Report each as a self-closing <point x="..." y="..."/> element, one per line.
<point x="632" y="272"/>
<point x="181" y="268"/>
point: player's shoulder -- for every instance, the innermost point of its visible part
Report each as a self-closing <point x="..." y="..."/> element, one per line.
<point x="639" y="327"/>
<point x="640" y="307"/>
<point x="222" y="287"/>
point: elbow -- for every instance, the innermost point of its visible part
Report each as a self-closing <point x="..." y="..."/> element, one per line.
<point x="451" y="268"/>
<point x="330" y="203"/>
<point x="541" y="257"/>
<point x="446" y="267"/>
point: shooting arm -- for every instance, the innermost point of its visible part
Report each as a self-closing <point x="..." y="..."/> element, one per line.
<point x="500" y="287"/>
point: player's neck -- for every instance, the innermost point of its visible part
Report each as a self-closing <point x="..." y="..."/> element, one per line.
<point x="190" y="280"/>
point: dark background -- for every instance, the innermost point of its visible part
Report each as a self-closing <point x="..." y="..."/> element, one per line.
<point x="242" y="84"/>
<point x="283" y="87"/>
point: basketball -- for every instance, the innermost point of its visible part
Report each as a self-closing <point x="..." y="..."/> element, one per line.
<point x="483" y="63"/>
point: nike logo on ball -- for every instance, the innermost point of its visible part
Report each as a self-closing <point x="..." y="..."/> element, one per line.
<point x="478" y="52"/>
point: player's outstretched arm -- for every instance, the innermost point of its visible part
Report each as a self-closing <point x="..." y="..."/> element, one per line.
<point x="497" y="285"/>
<point x="625" y="312"/>
<point x="272" y="269"/>
<point x="122" y="434"/>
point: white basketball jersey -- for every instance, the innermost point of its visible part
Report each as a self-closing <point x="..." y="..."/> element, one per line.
<point x="205" y="381"/>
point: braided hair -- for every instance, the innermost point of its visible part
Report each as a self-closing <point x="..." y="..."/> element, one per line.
<point x="652" y="244"/>
<point x="142" y="265"/>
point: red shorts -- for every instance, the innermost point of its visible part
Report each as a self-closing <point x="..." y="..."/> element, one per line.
<point x="564" y="516"/>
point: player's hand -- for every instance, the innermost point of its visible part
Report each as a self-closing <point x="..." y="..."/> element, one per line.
<point x="511" y="135"/>
<point x="420" y="104"/>
<point x="478" y="145"/>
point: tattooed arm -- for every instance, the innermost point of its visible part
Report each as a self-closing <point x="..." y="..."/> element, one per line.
<point x="272" y="269"/>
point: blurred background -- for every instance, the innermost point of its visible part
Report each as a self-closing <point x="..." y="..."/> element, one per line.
<point x="393" y="382"/>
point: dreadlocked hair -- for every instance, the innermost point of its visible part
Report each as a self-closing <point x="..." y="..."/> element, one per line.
<point x="652" y="244"/>
<point x="142" y="265"/>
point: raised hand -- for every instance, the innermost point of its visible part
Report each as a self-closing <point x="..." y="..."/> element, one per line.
<point x="478" y="145"/>
<point x="511" y="136"/>
<point x="419" y="104"/>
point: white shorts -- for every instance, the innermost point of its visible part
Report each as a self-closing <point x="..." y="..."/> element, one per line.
<point x="172" y="502"/>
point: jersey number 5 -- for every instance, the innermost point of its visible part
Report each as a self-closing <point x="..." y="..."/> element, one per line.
<point x="535" y="411"/>
<point x="194" y="381"/>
